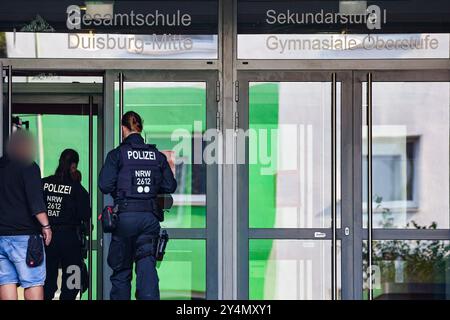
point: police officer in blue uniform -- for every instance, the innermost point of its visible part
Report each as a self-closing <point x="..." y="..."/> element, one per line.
<point x="68" y="209"/>
<point x="134" y="174"/>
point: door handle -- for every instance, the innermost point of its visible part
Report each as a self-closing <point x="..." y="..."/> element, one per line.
<point x="320" y="234"/>
<point x="369" y="184"/>
<point x="91" y="189"/>
<point x="121" y="104"/>
<point x="333" y="187"/>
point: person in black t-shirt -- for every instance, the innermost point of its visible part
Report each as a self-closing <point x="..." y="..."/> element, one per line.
<point x="22" y="215"/>
<point x="67" y="208"/>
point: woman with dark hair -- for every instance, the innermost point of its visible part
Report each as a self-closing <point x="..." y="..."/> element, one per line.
<point x="134" y="174"/>
<point x="67" y="208"/>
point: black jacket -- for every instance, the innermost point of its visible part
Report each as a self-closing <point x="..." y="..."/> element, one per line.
<point x="20" y="198"/>
<point x="67" y="201"/>
<point x="107" y="180"/>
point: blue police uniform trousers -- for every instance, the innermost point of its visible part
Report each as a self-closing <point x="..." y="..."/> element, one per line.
<point x="131" y="227"/>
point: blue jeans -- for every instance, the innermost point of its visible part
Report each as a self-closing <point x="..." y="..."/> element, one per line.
<point x="13" y="266"/>
<point x="131" y="228"/>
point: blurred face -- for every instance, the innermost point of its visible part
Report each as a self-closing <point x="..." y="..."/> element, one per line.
<point x="23" y="148"/>
<point x="27" y="150"/>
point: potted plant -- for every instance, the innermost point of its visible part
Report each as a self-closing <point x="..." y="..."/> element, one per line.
<point x="408" y="269"/>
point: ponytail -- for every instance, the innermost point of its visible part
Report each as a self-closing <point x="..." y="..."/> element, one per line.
<point x="132" y="121"/>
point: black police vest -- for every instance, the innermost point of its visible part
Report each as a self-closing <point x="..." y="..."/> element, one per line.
<point x="59" y="199"/>
<point x="140" y="172"/>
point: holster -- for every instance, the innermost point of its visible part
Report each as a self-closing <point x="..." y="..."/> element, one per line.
<point x="161" y="247"/>
<point x="109" y="218"/>
<point x="83" y="232"/>
<point x="147" y="245"/>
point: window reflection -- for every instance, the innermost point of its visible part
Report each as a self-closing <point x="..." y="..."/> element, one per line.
<point x="291" y="269"/>
<point x="290" y="154"/>
<point x="406" y="269"/>
<point x="106" y="46"/>
<point x="410" y="154"/>
<point x="174" y="116"/>
<point x="182" y="273"/>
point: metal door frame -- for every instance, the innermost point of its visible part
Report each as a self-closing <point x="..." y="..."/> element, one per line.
<point x="361" y="233"/>
<point x="243" y="231"/>
<point x="210" y="232"/>
<point x="6" y="104"/>
<point x="82" y="93"/>
<point x="3" y="108"/>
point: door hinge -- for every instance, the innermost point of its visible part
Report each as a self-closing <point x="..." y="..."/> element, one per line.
<point x="218" y="119"/>
<point x="236" y="121"/>
<point x="236" y="91"/>
<point x="4" y="72"/>
<point x="217" y="91"/>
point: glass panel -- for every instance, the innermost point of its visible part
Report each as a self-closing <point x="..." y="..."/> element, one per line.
<point x="85" y="295"/>
<point x="58" y="125"/>
<point x="335" y="46"/>
<point x="120" y="29"/>
<point x="410" y="155"/>
<point x="174" y="115"/>
<point x="345" y="17"/>
<point x="182" y="274"/>
<point x="290" y="154"/>
<point x="406" y="269"/>
<point x="54" y="133"/>
<point x="49" y="77"/>
<point x="291" y="269"/>
<point x="107" y="46"/>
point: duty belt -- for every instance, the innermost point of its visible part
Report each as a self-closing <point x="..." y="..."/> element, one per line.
<point x="133" y="205"/>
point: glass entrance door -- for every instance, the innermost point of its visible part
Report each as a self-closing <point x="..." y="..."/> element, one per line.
<point x="322" y="145"/>
<point x="62" y="112"/>
<point x="405" y="184"/>
<point x="177" y="109"/>
<point x="290" y="202"/>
